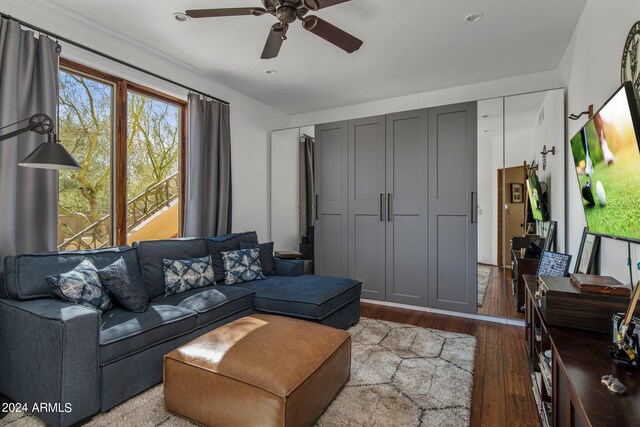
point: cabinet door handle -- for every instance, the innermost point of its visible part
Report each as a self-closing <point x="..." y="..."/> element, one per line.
<point x="381" y="206"/>
<point x="473" y="207"/>
<point x="389" y="207"/>
<point x="316" y="207"/>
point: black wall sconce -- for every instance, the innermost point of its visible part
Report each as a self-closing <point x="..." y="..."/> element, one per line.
<point x="544" y="153"/>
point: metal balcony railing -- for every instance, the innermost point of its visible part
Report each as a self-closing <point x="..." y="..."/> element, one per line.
<point x="139" y="209"/>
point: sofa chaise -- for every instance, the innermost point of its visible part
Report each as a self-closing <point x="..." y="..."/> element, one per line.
<point x="81" y="361"/>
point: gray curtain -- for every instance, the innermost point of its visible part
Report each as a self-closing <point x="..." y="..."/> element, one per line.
<point x="28" y="85"/>
<point x="208" y="201"/>
<point x="307" y="187"/>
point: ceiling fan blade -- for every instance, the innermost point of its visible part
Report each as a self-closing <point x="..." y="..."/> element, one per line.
<point x="332" y="34"/>
<point x="321" y="4"/>
<point x="233" y="11"/>
<point x="276" y="37"/>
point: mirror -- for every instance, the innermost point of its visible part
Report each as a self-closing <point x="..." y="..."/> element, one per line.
<point x="520" y="194"/>
<point x="292" y="191"/>
<point x="490" y="163"/>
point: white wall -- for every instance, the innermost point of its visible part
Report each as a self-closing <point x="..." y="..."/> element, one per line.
<point x="251" y="121"/>
<point x="474" y="92"/>
<point x="489" y="162"/>
<point x="490" y="156"/>
<point x="285" y="189"/>
<point x="285" y="149"/>
<point x="550" y="133"/>
<point x="517" y="146"/>
<point x="590" y="69"/>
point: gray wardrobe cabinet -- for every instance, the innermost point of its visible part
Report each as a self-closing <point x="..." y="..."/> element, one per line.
<point x="373" y="184"/>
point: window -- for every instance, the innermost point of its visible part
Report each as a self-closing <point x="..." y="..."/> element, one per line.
<point x="129" y="142"/>
<point x="153" y="138"/>
<point x="86" y="131"/>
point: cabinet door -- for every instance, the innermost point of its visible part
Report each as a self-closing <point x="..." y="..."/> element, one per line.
<point x="331" y="199"/>
<point x="406" y="208"/>
<point x="452" y="208"/>
<point x="367" y="205"/>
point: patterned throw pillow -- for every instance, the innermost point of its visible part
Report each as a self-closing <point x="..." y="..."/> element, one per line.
<point x="131" y="294"/>
<point x="186" y="274"/>
<point x="81" y="286"/>
<point x="242" y="266"/>
<point x="266" y="255"/>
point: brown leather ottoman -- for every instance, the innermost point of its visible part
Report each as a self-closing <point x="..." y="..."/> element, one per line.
<point x="261" y="370"/>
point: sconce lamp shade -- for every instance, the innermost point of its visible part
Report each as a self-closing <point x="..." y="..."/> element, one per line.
<point x="50" y="155"/>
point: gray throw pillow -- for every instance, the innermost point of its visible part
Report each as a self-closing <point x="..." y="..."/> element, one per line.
<point x="81" y="286"/>
<point x="266" y="255"/>
<point x="116" y="279"/>
<point x="185" y="274"/>
<point x="241" y="266"/>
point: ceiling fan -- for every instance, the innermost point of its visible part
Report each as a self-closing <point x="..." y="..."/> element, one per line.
<point x="287" y="11"/>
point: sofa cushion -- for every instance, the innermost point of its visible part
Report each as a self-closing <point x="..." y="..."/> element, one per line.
<point x="212" y="303"/>
<point x="242" y="266"/>
<point x="266" y="255"/>
<point x="152" y="252"/>
<point x="131" y="294"/>
<point x="123" y="333"/>
<point x="310" y="297"/>
<point x="181" y="275"/>
<point x="25" y="274"/>
<point x="228" y="242"/>
<point x="81" y="286"/>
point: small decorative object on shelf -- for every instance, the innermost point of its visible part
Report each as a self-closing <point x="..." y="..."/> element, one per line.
<point x="625" y="348"/>
<point x="553" y="264"/>
<point x="587" y="255"/>
<point x="603" y="285"/>
<point x="613" y="384"/>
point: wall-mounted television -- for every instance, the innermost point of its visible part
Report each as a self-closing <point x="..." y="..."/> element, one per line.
<point x="606" y="155"/>
<point x="537" y="201"/>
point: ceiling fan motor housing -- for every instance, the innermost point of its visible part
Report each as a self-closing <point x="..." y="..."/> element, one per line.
<point x="286" y="12"/>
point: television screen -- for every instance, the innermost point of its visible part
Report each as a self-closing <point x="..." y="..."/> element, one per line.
<point x="607" y="162"/>
<point x="537" y="204"/>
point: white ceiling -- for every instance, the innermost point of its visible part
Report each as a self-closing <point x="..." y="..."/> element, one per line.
<point x="410" y="46"/>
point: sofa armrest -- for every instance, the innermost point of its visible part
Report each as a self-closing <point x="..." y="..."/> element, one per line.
<point x="289" y="267"/>
<point x="49" y="354"/>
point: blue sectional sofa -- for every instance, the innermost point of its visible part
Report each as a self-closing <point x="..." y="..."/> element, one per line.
<point x="59" y="353"/>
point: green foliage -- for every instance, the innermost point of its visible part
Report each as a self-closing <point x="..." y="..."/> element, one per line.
<point x="87" y="131"/>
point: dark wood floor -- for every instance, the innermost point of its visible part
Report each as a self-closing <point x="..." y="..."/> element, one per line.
<point x="499" y="299"/>
<point x="502" y="394"/>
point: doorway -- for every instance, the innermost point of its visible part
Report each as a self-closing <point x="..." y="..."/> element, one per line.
<point x="511" y="200"/>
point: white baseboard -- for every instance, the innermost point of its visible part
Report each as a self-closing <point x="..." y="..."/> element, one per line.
<point x="493" y="319"/>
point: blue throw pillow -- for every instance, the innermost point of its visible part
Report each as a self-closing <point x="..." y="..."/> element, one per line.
<point x="81" y="286"/>
<point x="186" y="274"/>
<point x="241" y="266"/>
<point x="115" y="278"/>
<point x="266" y="255"/>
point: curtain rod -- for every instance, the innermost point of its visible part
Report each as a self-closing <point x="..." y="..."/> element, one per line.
<point x="109" y="57"/>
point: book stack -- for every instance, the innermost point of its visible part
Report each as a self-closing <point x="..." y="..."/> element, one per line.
<point x="602" y="285"/>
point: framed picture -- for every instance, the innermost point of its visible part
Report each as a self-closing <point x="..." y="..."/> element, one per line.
<point x="553" y="264"/>
<point x="517" y="193"/>
<point x="586" y="261"/>
<point x="551" y="236"/>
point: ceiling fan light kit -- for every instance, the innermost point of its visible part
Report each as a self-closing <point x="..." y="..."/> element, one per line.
<point x="287" y="12"/>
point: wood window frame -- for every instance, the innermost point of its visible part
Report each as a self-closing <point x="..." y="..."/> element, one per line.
<point x="119" y="166"/>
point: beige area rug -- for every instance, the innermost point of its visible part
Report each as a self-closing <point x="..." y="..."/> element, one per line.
<point x="401" y="375"/>
<point x="484" y="274"/>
